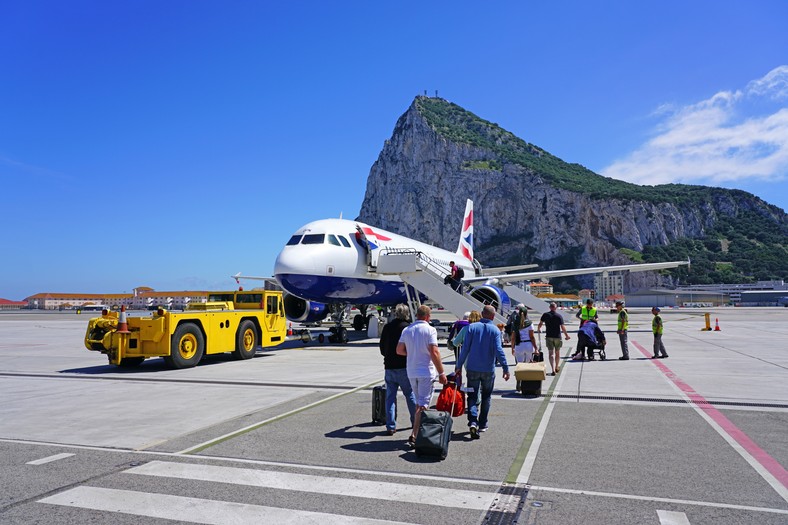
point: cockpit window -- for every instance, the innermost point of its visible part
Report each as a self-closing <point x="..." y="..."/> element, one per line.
<point x="344" y="241"/>
<point x="293" y="240"/>
<point x="332" y="239"/>
<point x="314" y="238"/>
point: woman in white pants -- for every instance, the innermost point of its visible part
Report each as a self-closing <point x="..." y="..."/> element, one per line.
<point x="523" y="342"/>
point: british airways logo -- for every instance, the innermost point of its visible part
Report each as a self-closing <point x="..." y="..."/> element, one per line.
<point x="371" y="236"/>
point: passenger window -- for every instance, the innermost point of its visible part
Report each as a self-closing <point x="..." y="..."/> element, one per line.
<point x="344" y="241"/>
<point x="332" y="239"/>
<point x="293" y="240"/>
<point x="315" y="238"/>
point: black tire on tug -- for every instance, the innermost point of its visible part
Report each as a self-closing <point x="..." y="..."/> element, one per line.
<point x="359" y="323"/>
<point x="188" y="347"/>
<point x="246" y="341"/>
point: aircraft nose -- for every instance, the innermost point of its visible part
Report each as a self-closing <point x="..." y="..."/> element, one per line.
<point x="290" y="261"/>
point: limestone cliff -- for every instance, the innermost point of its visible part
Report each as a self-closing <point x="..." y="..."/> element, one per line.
<point x="529" y="206"/>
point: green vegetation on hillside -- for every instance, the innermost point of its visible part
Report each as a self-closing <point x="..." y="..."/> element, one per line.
<point x="744" y="249"/>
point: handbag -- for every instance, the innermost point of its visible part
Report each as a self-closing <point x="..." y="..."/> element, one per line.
<point x="451" y="400"/>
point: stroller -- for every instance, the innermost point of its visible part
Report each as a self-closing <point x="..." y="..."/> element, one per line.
<point x="600" y="351"/>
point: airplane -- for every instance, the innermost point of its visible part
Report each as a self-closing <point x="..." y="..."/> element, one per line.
<point x="329" y="264"/>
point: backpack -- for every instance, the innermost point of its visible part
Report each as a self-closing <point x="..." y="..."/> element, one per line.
<point x="460" y="272"/>
<point x="512" y="323"/>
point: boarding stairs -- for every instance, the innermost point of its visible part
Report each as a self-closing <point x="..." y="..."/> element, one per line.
<point x="425" y="276"/>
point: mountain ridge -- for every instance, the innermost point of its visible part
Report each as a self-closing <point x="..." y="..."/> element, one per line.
<point x="531" y="206"/>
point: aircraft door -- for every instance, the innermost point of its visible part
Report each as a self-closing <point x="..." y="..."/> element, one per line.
<point x="370" y="247"/>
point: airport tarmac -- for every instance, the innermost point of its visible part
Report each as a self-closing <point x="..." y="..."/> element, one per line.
<point x="698" y="438"/>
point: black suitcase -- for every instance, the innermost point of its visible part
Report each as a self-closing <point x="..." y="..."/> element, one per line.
<point x="434" y="434"/>
<point x="530" y="388"/>
<point x="379" y="405"/>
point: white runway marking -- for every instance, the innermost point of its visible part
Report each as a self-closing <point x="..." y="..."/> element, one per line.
<point x="668" y="517"/>
<point x="49" y="459"/>
<point x="659" y="500"/>
<point x="244" y="461"/>
<point x="533" y="450"/>
<point x="195" y="510"/>
<point x="418" y="494"/>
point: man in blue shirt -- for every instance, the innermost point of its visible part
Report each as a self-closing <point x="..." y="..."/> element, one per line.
<point x="482" y="350"/>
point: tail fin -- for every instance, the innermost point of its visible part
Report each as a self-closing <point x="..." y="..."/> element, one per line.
<point x="465" y="248"/>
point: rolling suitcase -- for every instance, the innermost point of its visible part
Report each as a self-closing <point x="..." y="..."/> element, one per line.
<point x="529" y="378"/>
<point x="434" y="434"/>
<point x="379" y="405"/>
<point x="531" y="388"/>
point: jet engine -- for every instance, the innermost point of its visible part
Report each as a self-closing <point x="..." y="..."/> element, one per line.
<point x="303" y="311"/>
<point x="491" y="294"/>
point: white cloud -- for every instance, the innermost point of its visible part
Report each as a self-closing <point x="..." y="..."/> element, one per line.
<point x="732" y="136"/>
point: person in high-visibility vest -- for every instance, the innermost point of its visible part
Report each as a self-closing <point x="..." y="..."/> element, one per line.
<point x="587" y="312"/>
<point x="623" y="326"/>
<point x="657" y="328"/>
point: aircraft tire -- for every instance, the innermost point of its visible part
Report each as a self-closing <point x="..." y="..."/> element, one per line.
<point x="187" y="347"/>
<point x="342" y="335"/>
<point x="246" y="341"/>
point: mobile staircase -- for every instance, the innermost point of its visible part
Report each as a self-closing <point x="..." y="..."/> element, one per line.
<point x="424" y="276"/>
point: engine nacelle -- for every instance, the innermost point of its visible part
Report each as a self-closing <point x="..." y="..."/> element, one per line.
<point x="491" y="294"/>
<point x="302" y="311"/>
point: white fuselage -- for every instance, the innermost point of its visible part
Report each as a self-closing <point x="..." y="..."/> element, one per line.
<point x="328" y="261"/>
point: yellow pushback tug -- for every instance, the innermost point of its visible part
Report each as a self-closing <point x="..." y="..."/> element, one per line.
<point x="184" y="338"/>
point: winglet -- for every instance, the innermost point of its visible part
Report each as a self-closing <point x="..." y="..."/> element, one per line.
<point x="465" y="247"/>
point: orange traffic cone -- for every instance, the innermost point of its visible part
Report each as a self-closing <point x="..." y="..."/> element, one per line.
<point x="123" y="324"/>
<point x="290" y="329"/>
<point x="717" y="324"/>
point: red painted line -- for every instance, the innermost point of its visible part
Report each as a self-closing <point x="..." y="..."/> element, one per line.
<point x="761" y="456"/>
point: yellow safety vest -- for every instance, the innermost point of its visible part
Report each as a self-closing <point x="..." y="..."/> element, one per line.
<point x="623" y="320"/>
<point x="586" y="314"/>
<point x="656" y="325"/>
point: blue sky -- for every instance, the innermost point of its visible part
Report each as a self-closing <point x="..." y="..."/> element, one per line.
<point x="171" y="144"/>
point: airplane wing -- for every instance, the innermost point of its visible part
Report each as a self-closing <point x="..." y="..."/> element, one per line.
<point x="526" y="276"/>
<point x="504" y="269"/>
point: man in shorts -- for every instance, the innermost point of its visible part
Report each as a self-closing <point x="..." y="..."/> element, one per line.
<point x="555" y="324"/>
<point x="419" y="342"/>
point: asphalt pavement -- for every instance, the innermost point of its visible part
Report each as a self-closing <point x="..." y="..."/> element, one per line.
<point x="287" y="437"/>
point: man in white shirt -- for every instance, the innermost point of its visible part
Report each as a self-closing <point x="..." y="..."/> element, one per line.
<point x="419" y="342"/>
